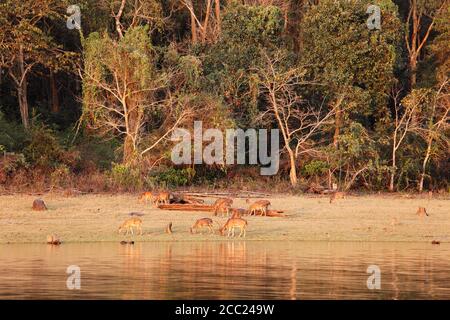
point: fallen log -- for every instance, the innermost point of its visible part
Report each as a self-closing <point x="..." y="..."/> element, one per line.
<point x="186" y="207"/>
<point x="236" y="194"/>
<point x="275" y="213"/>
<point x="186" y="199"/>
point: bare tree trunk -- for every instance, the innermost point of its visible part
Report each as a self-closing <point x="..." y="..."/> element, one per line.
<point x="293" y="168"/>
<point x="22" y="91"/>
<point x="54" y="94"/>
<point x="424" y="164"/>
<point x="337" y="128"/>
<point x="394" y="169"/>
<point x="413" y="55"/>
<point x="117" y="19"/>
<point x="217" y="10"/>
<point x="205" y="24"/>
<point x="338" y="120"/>
<point x="193" y="22"/>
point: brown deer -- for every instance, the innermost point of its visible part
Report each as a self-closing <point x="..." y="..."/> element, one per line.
<point x="259" y="206"/>
<point x="202" y="223"/>
<point x="129" y="224"/>
<point x="222" y="205"/>
<point x="337" y="195"/>
<point x="422" y="212"/>
<point x="237" y="213"/>
<point x="233" y="223"/>
<point x="162" y="198"/>
<point x="146" y="197"/>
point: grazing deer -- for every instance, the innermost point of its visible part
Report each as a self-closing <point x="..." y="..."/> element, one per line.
<point x="422" y="212"/>
<point x="146" y="197"/>
<point x="259" y="206"/>
<point x="202" y="223"/>
<point x="233" y="223"/>
<point x="222" y="205"/>
<point x="162" y="198"/>
<point x="237" y="213"/>
<point x="337" y="195"/>
<point x="219" y="201"/>
<point x="129" y="224"/>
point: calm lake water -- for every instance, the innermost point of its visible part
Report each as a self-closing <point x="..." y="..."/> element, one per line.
<point x="226" y="270"/>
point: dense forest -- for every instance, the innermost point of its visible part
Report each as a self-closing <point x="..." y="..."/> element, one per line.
<point x="89" y="95"/>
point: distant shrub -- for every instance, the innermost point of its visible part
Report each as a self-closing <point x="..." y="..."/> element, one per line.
<point x="60" y="176"/>
<point x="12" y="135"/>
<point x="171" y="177"/>
<point x="43" y="149"/>
<point x="126" y="177"/>
<point x="315" y="167"/>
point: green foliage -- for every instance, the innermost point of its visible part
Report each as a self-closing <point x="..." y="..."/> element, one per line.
<point x="229" y="64"/>
<point x="12" y="135"/>
<point x="172" y="177"/>
<point x="43" y="148"/>
<point x="349" y="58"/>
<point x="125" y="176"/>
<point x="315" y="167"/>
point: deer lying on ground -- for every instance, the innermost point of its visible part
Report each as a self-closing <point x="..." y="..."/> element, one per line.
<point x="337" y="195"/>
<point x="202" y="223"/>
<point x="259" y="206"/>
<point x="233" y="223"/>
<point x="129" y="224"/>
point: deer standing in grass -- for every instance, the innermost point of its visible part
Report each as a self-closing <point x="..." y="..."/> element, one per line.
<point x="337" y="195"/>
<point x="129" y="224"/>
<point x="161" y="198"/>
<point x="233" y="223"/>
<point x="222" y="205"/>
<point x="259" y="206"/>
<point x="237" y="213"/>
<point x="202" y="223"/>
<point x="146" y="197"/>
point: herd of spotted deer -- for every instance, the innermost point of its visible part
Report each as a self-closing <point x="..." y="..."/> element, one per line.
<point x="221" y="206"/>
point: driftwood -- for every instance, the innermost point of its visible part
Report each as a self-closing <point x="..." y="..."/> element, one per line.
<point x="126" y="242"/>
<point x="207" y="208"/>
<point x="136" y="214"/>
<point x="236" y="194"/>
<point x="186" y="207"/>
<point x="275" y="213"/>
<point x="186" y="199"/>
<point x="39" y="205"/>
<point x="169" y="228"/>
<point x="52" y="239"/>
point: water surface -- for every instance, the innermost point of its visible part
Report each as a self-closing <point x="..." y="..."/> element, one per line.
<point x="226" y="270"/>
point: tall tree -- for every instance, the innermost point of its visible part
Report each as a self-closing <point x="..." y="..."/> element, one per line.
<point x="124" y="95"/>
<point x="420" y="22"/>
<point x="26" y="43"/>
<point x="355" y="64"/>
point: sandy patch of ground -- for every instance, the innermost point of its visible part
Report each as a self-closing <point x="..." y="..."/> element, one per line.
<point x="356" y="218"/>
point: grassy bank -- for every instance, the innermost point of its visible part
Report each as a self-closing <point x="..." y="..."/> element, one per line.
<point x="357" y="218"/>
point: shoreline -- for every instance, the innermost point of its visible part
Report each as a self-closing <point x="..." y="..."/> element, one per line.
<point x="95" y="219"/>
